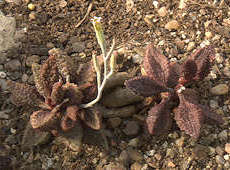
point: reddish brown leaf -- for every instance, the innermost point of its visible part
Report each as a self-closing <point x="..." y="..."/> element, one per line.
<point x="92" y="117"/>
<point x="159" y="120"/>
<point x="67" y="123"/>
<point x="44" y="120"/>
<point x="73" y="93"/>
<point x="145" y="86"/>
<point x="23" y="94"/>
<point x="156" y="65"/>
<point x="203" y="59"/>
<point x="57" y="93"/>
<point x="72" y="112"/>
<point x="189" y="116"/>
<point x="48" y="76"/>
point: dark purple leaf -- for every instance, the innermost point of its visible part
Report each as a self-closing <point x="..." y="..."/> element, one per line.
<point x="156" y="65"/>
<point x="203" y="59"/>
<point x="189" y="70"/>
<point x="174" y="74"/>
<point x="145" y="86"/>
<point x="159" y="120"/>
<point x="189" y="115"/>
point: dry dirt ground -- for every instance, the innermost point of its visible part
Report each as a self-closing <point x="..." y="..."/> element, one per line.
<point x="134" y="23"/>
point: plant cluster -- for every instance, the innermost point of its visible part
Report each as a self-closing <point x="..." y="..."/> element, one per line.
<point x="58" y="98"/>
<point x="170" y="81"/>
<point x="61" y="100"/>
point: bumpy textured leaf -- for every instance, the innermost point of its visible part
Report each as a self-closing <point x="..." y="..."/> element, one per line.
<point x="92" y="117"/>
<point x="48" y="76"/>
<point x="189" y="70"/>
<point x="64" y="62"/>
<point x="159" y="120"/>
<point x="145" y="86"/>
<point x="23" y="94"/>
<point x="156" y="65"/>
<point x="36" y="68"/>
<point x="67" y="123"/>
<point x="73" y="93"/>
<point x="44" y="120"/>
<point x="57" y="93"/>
<point x="174" y="74"/>
<point x="203" y="59"/>
<point x="189" y="115"/>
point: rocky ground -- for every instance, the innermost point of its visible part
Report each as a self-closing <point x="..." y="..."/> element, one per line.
<point x="29" y="29"/>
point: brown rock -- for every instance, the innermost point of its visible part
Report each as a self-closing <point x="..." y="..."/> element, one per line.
<point x="200" y="151"/>
<point x="220" y="89"/>
<point x="13" y="65"/>
<point x="114" y="122"/>
<point x="120" y="97"/>
<point x="131" y="128"/>
<point x="172" y="25"/>
<point x="227" y="148"/>
<point x="162" y="11"/>
<point x="123" y="112"/>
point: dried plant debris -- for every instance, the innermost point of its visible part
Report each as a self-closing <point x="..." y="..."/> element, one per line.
<point x="170" y="80"/>
<point x="59" y="99"/>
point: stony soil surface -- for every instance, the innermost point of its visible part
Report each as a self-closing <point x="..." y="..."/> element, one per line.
<point x="177" y="29"/>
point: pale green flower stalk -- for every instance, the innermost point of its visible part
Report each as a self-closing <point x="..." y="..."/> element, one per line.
<point x="106" y="56"/>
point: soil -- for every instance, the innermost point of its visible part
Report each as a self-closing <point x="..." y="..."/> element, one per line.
<point x="134" y="24"/>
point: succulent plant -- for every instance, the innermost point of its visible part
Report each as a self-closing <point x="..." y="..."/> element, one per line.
<point x="58" y="98"/>
<point x="170" y="80"/>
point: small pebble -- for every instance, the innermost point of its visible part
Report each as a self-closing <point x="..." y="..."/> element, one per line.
<point x="135" y="155"/>
<point x="131" y="128"/>
<point x="62" y="3"/>
<point x="172" y="25"/>
<point x="226" y="71"/>
<point x="213" y="104"/>
<point x="191" y="46"/>
<point x="223" y="136"/>
<point x="158" y="156"/>
<point x="219" y="58"/>
<point x="219" y="151"/>
<point x="162" y="11"/>
<point x="2" y="74"/>
<point x="226" y="157"/>
<point x="208" y="35"/>
<point x="220" y="89"/>
<point x="149" y="19"/>
<point x="227" y="148"/>
<point x="171" y="164"/>
<point x="25" y="78"/>
<point x="180" y="141"/>
<point x="32" y="16"/>
<point x="136" y="166"/>
<point x="155" y="4"/>
<point x="31" y="6"/>
<point x="219" y="159"/>
<point x="134" y="142"/>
